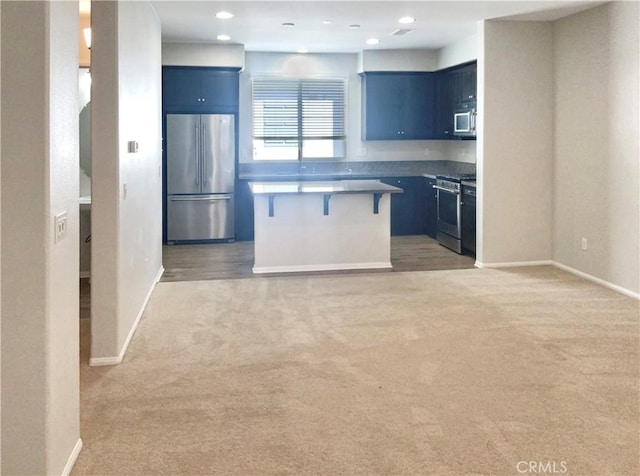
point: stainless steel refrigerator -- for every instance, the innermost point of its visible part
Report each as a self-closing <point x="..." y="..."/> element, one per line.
<point x="200" y="177"/>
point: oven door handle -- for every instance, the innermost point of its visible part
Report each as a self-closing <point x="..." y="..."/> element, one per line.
<point x="455" y="192"/>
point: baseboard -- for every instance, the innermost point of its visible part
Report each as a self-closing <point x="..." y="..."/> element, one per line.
<point x="513" y="264"/>
<point x="319" y="267"/>
<point x="102" y="361"/>
<point x="602" y="282"/>
<point x="73" y="457"/>
<point x="564" y="267"/>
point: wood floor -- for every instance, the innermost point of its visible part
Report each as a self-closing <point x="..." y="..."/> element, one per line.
<point x="235" y="260"/>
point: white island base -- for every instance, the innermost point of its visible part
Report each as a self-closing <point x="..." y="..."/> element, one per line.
<point x="310" y="232"/>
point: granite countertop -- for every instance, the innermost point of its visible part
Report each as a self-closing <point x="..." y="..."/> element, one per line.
<point x="324" y="170"/>
<point x="321" y="187"/>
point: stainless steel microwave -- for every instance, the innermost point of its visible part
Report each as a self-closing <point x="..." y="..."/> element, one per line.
<point x="464" y="123"/>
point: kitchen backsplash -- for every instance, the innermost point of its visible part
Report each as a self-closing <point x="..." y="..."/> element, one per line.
<point x="385" y="151"/>
<point x="354" y="168"/>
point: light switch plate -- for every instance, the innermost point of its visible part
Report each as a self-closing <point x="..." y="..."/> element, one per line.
<point x="60" y="227"/>
<point x="133" y="146"/>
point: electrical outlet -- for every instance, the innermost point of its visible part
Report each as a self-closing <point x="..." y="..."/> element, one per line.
<point x="59" y="227"/>
<point x="583" y="244"/>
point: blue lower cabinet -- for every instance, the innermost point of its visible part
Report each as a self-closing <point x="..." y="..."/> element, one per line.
<point x="244" y="211"/>
<point x="431" y="207"/>
<point x="407" y="208"/>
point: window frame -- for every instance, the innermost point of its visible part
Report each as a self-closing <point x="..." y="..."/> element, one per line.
<point x="300" y="138"/>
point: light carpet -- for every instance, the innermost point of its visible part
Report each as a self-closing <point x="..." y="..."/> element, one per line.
<point x="470" y="372"/>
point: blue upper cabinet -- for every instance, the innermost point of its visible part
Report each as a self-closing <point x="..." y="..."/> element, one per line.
<point x="200" y="90"/>
<point x="456" y="92"/>
<point x="398" y="106"/>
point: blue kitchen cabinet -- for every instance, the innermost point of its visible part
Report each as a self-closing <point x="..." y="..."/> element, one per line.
<point x="188" y="89"/>
<point x="456" y="92"/>
<point x="398" y="106"/>
<point x="444" y="122"/>
<point x="464" y="86"/>
<point x="468" y="219"/>
<point x="431" y="207"/>
<point x="244" y="212"/>
<point x="407" y="208"/>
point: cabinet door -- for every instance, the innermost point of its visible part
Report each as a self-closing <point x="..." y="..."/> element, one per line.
<point x="463" y="87"/>
<point x="244" y="212"/>
<point x="219" y="91"/>
<point x="444" y="126"/>
<point x="180" y="89"/>
<point x="469" y="219"/>
<point x="199" y="90"/>
<point x="468" y="83"/>
<point x="407" y="208"/>
<point x="382" y="107"/>
<point x="398" y="106"/>
<point x="419" y="110"/>
<point x="431" y="207"/>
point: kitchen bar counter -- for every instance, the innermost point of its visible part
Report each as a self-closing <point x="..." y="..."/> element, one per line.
<point x="323" y="187"/>
<point x="318" y="226"/>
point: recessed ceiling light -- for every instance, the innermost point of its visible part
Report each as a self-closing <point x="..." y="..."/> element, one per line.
<point x="354" y="26"/>
<point x="373" y="41"/>
<point x="224" y="15"/>
<point x="289" y="24"/>
<point x="223" y="37"/>
<point x="302" y="50"/>
<point x="406" y="20"/>
<point x="326" y="22"/>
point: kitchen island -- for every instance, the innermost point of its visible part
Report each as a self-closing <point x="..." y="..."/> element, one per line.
<point x="321" y="225"/>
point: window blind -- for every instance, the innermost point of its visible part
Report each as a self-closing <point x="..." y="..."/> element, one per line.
<point x="305" y="116"/>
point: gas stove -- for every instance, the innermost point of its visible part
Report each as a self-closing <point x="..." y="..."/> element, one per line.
<point x="456" y="177"/>
<point x="451" y="182"/>
<point x="449" y="209"/>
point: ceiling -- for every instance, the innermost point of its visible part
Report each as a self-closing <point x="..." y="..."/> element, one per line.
<point x="258" y="24"/>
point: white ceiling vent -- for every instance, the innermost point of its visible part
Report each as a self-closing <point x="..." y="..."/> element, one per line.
<point x="402" y="31"/>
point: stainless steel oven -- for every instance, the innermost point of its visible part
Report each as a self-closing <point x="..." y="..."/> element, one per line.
<point x="449" y="210"/>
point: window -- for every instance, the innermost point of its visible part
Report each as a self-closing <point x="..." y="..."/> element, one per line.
<point x="296" y="119"/>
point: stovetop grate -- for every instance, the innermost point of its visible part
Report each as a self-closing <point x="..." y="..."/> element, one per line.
<point x="456" y="177"/>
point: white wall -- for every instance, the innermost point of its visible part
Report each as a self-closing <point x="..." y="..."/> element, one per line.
<point x="0" y="235"/>
<point x="596" y="143"/>
<point x="398" y="60"/>
<point x="201" y="54"/>
<point x="126" y="188"/>
<point x="39" y="137"/>
<point x="461" y="51"/>
<point x="515" y="142"/>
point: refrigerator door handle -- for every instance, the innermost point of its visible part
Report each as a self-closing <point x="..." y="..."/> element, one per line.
<point x="204" y="154"/>
<point x="201" y="199"/>
<point x="197" y="156"/>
